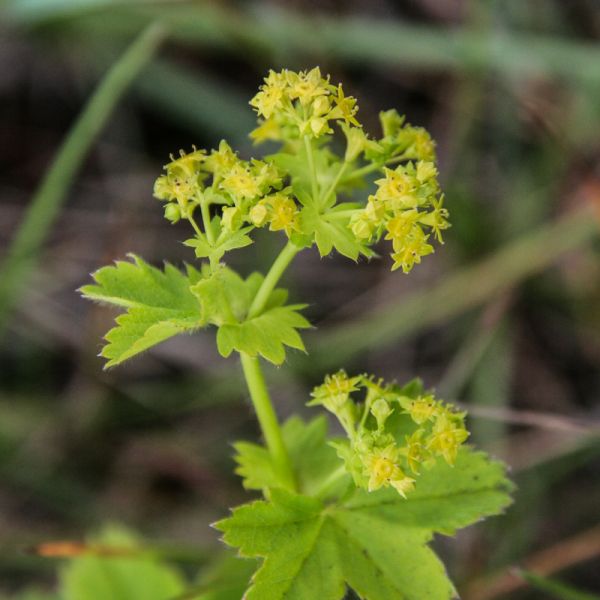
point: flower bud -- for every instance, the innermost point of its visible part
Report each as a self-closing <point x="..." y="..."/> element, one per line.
<point x="232" y="218"/>
<point x="259" y="214"/>
<point x="172" y="213"/>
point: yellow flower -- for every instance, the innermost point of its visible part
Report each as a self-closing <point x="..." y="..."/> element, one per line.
<point x="305" y="86"/>
<point x="283" y="215"/>
<point x="187" y="165"/>
<point x="259" y="213"/>
<point x="375" y="209"/>
<point x="426" y="170"/>
<point x="412" y="251"/>
<point x="446" y="438"/>
<point x="266" y="174"/>
<point x="240" y="183"/>
<point x="321" y="106"/>
<point x="268" y="129"/>
<point x="381" y="410"/>
<point x="271" y="94"/>
<point x="396" y="183"/>
<point x="437" y="218"/>
<point x="403" y="486"/>
<point x="222" y="160"/>
<point x="423" y="147"/>
<point x="423" y="409"/>
<point x="415" y="451"/>
<point x="162" y="188"/>
<point x="345" y="108"/>
<point x="383" y="470"/>
<point x="400" y="227"/>
<point x="183" y="180"/>
<point x="334" y="391"/>
<point x="362" y="227"/>
<point x="232" y="218"/>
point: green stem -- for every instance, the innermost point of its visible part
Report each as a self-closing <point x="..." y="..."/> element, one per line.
<point x="195" y="226"/>
<point x="373" y="167"/>
<point x="205" y="210"/>
<point x="275" y="272"/>
<point x="334" y="183"/>
<point x="267" y="418"/>
<point x="311" y="166"/>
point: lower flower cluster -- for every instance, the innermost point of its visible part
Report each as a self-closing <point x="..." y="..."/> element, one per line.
<point x="393" y="432"/>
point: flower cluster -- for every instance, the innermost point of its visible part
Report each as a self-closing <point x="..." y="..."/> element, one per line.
<point x="298" y="189"/>
<point x="392" y="433"/>
<point x="406" y="207"/>
<point x="400" y="141"/>
<point x="293" y="105"/>
<point x="250" y="192"/>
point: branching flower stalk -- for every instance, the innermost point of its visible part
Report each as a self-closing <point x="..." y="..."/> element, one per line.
<point x="329" y="493"/>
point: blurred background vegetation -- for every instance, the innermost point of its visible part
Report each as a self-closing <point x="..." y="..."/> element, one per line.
<point x="504" y="319"/>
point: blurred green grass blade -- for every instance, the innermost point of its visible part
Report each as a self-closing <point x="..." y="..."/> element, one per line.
<point x="47" y="200"/>
<point x="351" y="39"/>
<point x="197" y="101"/>
<point x="491" y="386"/>
<point x="456" y="293"/>
<point x="556" y="589"/>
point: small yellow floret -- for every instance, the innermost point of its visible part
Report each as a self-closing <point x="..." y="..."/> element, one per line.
<point x="446" y="438"/>
<point x="240" y="183"/>
<point x="283" y="215"/>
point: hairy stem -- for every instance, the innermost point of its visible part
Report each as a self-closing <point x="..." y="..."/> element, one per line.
<point x="267" y="418"/>
<point x="275" y="272"/>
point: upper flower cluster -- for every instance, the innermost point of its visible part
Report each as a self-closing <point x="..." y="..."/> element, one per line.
<point x="293" y="105"/>
<point x="392" y="435"/>
<point x="298" y="190"/>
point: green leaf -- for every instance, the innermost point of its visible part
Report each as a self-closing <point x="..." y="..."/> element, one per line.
<point x="159" y="305"/>
<point x="226" y="579"/>
<point x="313" y="459"/>
<point x="446" y="498"/>
<point x="137" y="577"/>
<point x="230" y="241"/>
<point x="267" y="334"/>
<point x="330" y="234"/>
<point x="374" y="543"/>
<point x="297" y="165"/>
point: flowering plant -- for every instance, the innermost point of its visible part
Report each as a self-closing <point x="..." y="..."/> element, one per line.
<point x="344" y="512"/>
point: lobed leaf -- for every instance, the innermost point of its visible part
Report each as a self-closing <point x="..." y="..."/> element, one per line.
<point x="374" y="543"/>
<point x="159" y="305"/>
<point x="267" y="334"/>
